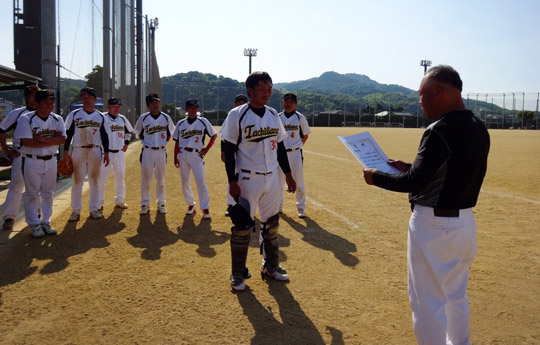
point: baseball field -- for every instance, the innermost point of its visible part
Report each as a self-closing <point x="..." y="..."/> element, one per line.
<point x="163" y="279"/>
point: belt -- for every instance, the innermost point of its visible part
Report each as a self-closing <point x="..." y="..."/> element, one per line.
<point x="154" y="147"/>
<point x="45" y="158"/>
<point x="289" y="150"/>
<point x="255" y="172"/>
<point x="189" y="149"/>
<point x="87" y="146"/>
<point x="446" y="212"/>
<point x="114" y="151"/>
<point x="443" y="212"/>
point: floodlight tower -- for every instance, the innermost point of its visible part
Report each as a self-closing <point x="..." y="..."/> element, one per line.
<point x="250" y="52"/>
<point x="426" y="64"/>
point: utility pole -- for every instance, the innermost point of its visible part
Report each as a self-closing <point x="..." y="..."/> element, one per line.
<point x="250" y="52"/>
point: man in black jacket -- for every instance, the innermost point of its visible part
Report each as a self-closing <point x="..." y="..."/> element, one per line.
<point x="443" y="184"/>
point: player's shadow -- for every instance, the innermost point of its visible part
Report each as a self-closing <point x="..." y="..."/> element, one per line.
<point x="16" y="259"/>
<point x="153" y="236"/>
<point x="202" y="235"/>
<point x="295" y="326"/>
<point x="336" y="334"/>
<point x="318" y="237"/>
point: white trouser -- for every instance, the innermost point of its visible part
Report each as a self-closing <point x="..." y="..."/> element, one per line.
<point x="230" y="199"/>
<point x="153" y="162"/>
<point x="439" y="255"/>
<point x="16" y="187"/>
<point x="118" y="163"/>
<point x="263" y="193"/>
<point x="297" y="172"/>
<point x="192" y="161"/>
<point x="40" y="181"/>
<point x="85" y="161"/>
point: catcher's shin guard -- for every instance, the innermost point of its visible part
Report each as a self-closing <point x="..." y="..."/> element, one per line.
<point x="269" y="245"/>
<point x="239" y="250"/>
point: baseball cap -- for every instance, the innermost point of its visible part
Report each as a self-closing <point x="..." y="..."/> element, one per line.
<point x="44" y="94"/>
<point x="88" y="90"/>
<point x="240" y="97"/>
<point x="30" y="88"/>
<point x="192" y="102"/>
<point x="290" y="95"/>
<point x="151" y="97"/>
<point x="114" y="101"/>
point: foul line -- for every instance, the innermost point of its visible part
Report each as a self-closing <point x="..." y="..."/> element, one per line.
<point x="335" y="214"/>
<point x="511" y="196"/>
<point x="499" y="194"/>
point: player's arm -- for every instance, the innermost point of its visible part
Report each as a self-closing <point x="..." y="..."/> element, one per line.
<point x="69" y="135"/>
<point x="205" y="150"/>
<point x="283" y="161"/>
<point x="304" y="138"/>
<point x="230" y="167"/>
<point x="105" y="142"/>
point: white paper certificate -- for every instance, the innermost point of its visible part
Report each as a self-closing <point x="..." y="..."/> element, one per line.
<point x="368" y="152"/>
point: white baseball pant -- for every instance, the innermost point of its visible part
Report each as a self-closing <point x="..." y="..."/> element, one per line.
<point x="14" y="196"/>
<point x="192" y="161"/>
<point x="297" y="172"/>
<point x="117" y="161"/>
<point x="40" y="181"/>
<point x="439" y="255"/>
<point x="153" y="162"/>
<point x="85" y="161"/>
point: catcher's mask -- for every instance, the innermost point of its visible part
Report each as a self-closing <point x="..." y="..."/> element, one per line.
<point x="239" y="214"/>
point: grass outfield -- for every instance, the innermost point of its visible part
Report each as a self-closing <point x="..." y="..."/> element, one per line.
<point x="163" y="279"/>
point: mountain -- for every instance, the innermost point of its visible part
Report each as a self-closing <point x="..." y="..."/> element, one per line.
<point x="355" y="85"/>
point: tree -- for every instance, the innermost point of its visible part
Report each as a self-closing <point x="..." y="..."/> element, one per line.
<point x="525" y="117"/>
<point x="94" y="80"/>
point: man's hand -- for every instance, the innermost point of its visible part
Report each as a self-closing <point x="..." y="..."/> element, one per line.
<point x="223" y="157"/>
<point x="399" y="165"/>
<point x="124" y="149"/>
<point x="291" y="184"/>
<point x="203" y="152"/>
<point x="368" y="175"/>
<point x="13" y="153"/>
<point x="234" y="190"/>
<point x="106" y="158"/>
<point x="176" y="162"/>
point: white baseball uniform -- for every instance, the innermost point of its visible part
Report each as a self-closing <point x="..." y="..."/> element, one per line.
<point x="119" y="130"/>
<point x="256" y="159"/>
<point x="39" y="165"/>
<point x="16" y="186"/>
<point x="296" y="126"/>
<point x="190" y="135"/>
<point x="89" y="135"/>
<point x="154" y="132"/>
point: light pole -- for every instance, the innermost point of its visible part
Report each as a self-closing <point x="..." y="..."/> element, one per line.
<point x="425" y="64"/>
<point x="250" y="52"/>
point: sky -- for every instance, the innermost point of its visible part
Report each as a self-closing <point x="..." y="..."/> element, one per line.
<point x="493" y="44"/>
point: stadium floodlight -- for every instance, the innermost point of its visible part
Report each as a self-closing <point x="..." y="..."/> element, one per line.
<point x="250" y="52"/>
<point x="425" y="64"/>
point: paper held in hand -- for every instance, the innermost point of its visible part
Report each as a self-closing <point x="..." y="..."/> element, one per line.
<point x="368" y="152"/>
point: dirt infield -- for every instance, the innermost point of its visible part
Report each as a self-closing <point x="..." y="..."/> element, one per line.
<point x="163" y="279"/>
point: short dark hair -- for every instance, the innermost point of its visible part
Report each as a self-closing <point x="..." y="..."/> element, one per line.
<point x="240" y="97"/>
<point x="445" y="75"/>
<point x="114" y="101"/>
<point x="254" y="78"/>
<point x="88" y="90"/>
<point x="291" y="96"/>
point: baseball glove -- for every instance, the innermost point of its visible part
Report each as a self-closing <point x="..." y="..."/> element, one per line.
<point x="65" y="167"/>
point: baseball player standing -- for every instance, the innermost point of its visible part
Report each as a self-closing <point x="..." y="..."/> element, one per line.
<point x="444" y="182"/>
<point x="189" y="152"/>
<point x="154" y="128"/>
<point x="298" y="131"/>
<point x="119" y="130"/>
<point x="253" y="136"/>
<point x="41" y="133"/>
<point x="238" y="101"/>
<point x="86" y="126"/>
<point x="16" y="186"/>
